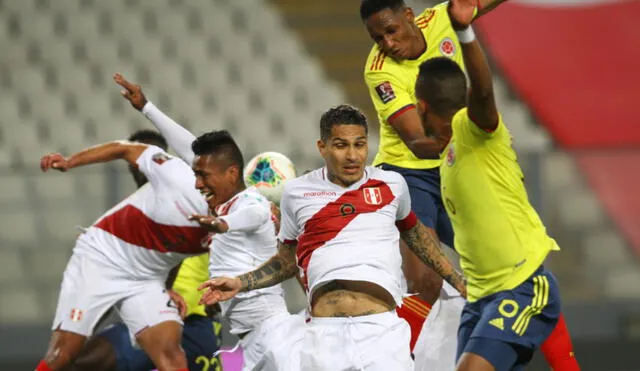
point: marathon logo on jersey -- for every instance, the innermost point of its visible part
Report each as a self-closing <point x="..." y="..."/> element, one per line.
<point x="385" y="92"/>
<point x="76" y="315"/>
<point x="447" y="47"/>
<point x="372" y="196"/>
<point x="160" y="158"/>
<point x="319" y="194"/>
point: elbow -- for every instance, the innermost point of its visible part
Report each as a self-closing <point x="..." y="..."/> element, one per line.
<point x="424" y="153"/>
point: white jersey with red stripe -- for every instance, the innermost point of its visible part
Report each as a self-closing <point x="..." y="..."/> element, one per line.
<point x="148" y="233"/>
<point x="348" y="233"/>
<point x="249" y="242"/>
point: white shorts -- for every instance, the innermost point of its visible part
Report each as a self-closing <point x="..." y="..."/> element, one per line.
<point x="89" y="290"/>
<point x="379" y="342"/>
<point x="274" y="345"/>
<point x="436" y="346"/>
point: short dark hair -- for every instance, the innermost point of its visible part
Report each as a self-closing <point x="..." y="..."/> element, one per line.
<point x="343" y="114"/>
<point x="443" y="85"/>
<point x="219" y="142"/>
<point x="149" y="137"/>
<point x="371" y="7"/>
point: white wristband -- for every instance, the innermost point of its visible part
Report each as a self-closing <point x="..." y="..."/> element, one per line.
<point x="466" y="36"/>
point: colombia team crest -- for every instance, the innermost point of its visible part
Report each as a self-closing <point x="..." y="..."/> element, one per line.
<point x="372" y="196"/>
<point x="447" y="47"/>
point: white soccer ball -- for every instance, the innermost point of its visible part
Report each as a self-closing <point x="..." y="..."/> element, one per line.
<point x="268" y="172"/>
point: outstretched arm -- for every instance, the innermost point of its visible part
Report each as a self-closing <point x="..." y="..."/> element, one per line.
<point x="275" y="270"/>
<point x="409" y="128"/>
<point x="425" y="244"/>
<point x="101" y="153"/>
<point x="481" y="103"/>
<point x="179" y="138"/>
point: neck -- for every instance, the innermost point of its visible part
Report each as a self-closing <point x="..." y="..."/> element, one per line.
<point x="335" y="180"/>
<point x="420" y="43"/>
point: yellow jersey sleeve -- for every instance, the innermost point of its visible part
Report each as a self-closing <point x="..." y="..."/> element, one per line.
<point x="389" y="93"/>
<point x="193" y="272"/>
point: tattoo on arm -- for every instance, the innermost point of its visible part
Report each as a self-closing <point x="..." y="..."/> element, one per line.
<point x="425" y="244"/>
<point x="275" y="270"/>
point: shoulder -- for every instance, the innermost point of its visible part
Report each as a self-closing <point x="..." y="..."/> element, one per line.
<point x="251" y="196"/>
<point x="423" y="19"/>
<point x="389" y="177"/>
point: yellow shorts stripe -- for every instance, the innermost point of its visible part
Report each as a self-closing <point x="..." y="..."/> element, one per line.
<point x="539" y="301"/>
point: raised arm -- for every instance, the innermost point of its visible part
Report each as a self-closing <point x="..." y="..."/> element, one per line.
<point x="425" y="244"/>
<point x="481" y="103"/>
<point x="178" y="137"/>
<point x="280" y="267"/>
<point x="111" y="151"/>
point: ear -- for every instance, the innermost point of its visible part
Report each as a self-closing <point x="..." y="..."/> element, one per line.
<point x="234" y="171"/>
<point x="408" y="13"/>
<point x="321" y="147"/>
<point x="422" y="106"/>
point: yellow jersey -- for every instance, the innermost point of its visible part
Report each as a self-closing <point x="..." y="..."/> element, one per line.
<point x="192" y="272"/>
<point x="392" y="83"/>
<point x="498" y="234"/>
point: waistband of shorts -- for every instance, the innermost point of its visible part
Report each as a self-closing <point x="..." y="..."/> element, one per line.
<point x="385" y="318"/>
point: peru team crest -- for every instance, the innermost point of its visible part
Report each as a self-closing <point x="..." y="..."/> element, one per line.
<point x="447" y="47"/>
<point x="372" y="196"/>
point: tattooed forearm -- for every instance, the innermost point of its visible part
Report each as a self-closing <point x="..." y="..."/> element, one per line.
<point x="425" y="244"/>
<point x="277" y="269"/>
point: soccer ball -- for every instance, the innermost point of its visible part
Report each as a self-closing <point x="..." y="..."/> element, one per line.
<point x="268" y="172"/>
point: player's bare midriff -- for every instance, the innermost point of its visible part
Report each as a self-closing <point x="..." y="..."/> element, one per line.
<point x="344" y="298"/>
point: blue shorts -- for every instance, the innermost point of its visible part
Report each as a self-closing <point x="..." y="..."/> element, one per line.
<point x="199" y="341"/>
<point x="507" y="327"/>
<point x="426" y="200"/>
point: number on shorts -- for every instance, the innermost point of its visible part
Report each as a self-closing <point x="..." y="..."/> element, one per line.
<point x="209" y="364"/>
<point x="508" y="308"/>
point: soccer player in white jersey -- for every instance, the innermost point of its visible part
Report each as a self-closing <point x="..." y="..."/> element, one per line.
<point x="244" y="238"/>
<point x="122" y="260"/>
<point x="341" y="224"/>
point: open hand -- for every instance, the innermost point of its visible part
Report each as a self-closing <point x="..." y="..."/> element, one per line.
<point x="131" y="92"/>
<point x="210" y="223"/>
<point x="54" y="161"/>
<point x="219" y="289"/>
<point x="462" y="13"/>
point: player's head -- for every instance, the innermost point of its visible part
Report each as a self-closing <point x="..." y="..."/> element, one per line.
<point x="391" y="25"/>
<point x="218" y="167"/>
<point x="343" y="143"/>
<point x="441" y="89"/>
<point x="146" y="137"/>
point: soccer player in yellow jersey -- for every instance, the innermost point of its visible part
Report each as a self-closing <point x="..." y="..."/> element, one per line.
<point x="513" y="301"/>
<point x="112" y="349"/>
<point x="403" y="40"/>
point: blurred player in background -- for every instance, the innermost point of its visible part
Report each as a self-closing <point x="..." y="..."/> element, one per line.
<point x="122" y="261"/>
<point x="403" y="41"/>
<point x="513" y="302"/>
<point x="244" y="234"/>
<point x="112" y="349"/>
<point x="342" y="224"/>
